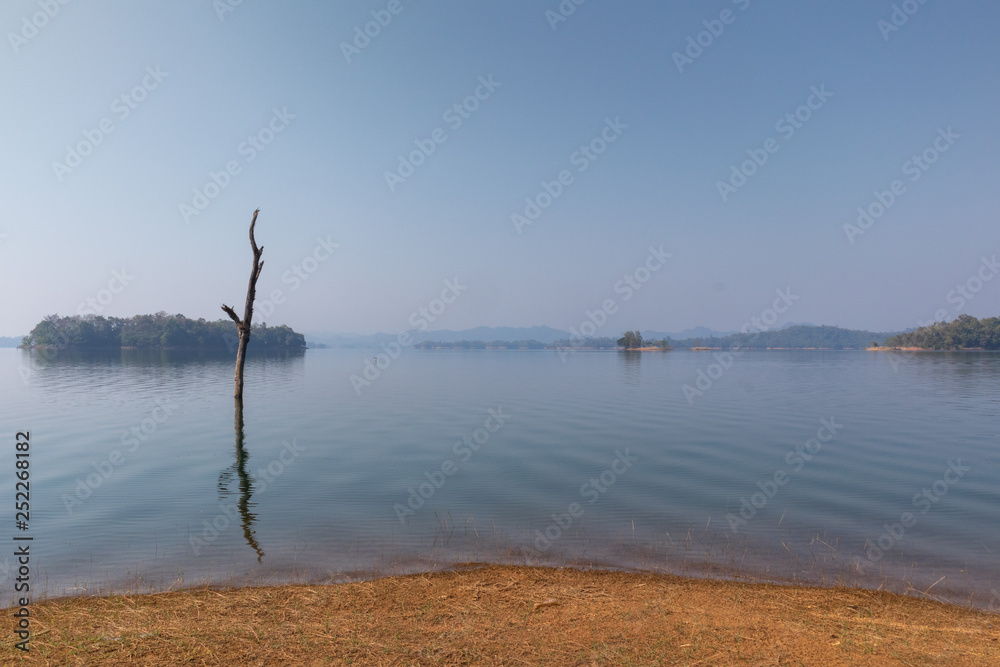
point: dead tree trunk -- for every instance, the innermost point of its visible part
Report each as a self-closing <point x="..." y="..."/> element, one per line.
<point x="243" y="326"/>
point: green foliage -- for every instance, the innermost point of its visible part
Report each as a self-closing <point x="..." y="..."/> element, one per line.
<point x="602" y="343"/>
<point x="964" y="332"/>
<point x="156" y="331"/>
<point x="276" y="338"/>
<point x="800" y="336"/>
<point x="631" y="340"/>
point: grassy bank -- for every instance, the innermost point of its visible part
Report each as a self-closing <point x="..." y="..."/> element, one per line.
<point x="510" y="615"/>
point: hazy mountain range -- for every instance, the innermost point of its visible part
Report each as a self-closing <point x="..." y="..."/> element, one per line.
<point x="541" y="334"/>
<point x="804" y="335"/>
<point x="548" y="335"/>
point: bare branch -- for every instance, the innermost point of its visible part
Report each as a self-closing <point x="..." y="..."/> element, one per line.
<point x="253" y="243"/>
<point x="231" y="313"/>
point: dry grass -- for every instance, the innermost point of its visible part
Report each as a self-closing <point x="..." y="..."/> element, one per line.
<point x="511" y="616"/>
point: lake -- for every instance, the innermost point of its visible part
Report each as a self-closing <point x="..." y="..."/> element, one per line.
<point x="873" y="469"/>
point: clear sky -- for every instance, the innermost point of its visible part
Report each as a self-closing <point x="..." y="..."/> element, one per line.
<point x="311" y="115"/>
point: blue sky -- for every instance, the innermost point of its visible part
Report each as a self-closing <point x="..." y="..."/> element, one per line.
<point x="330" y="121"/>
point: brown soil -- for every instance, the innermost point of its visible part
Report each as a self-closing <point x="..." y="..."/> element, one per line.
<point x="504" y="615"/>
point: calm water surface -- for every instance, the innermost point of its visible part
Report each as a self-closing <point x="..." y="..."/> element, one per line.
<point x="140" y="477"/>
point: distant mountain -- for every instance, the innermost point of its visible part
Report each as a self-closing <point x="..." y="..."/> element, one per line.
<point x="347" y="340"/>
<point x="789" y="335"/>
<point x="542" y="334"/>
<point x="6" y="341"/>
<point x="705" y="332"/>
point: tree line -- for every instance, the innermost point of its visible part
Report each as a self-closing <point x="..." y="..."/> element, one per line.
<point x="799" y="336"/>
<point x="602" y="343"/>
<point x="159" y="330"/>
<point x="964" y="332"/>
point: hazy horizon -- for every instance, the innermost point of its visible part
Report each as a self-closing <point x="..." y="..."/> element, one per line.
<point x="516" y="164"/>
<point x="605" y="332"/>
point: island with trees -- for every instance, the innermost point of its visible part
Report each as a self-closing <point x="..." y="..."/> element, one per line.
<point x="963" y="333"/>
<point x="632" y="342"/>
<point x="157" y="331"/>
<point x="797" y="337"/>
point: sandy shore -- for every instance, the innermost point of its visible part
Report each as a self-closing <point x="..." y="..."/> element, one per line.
<point x="511" y="616"/>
